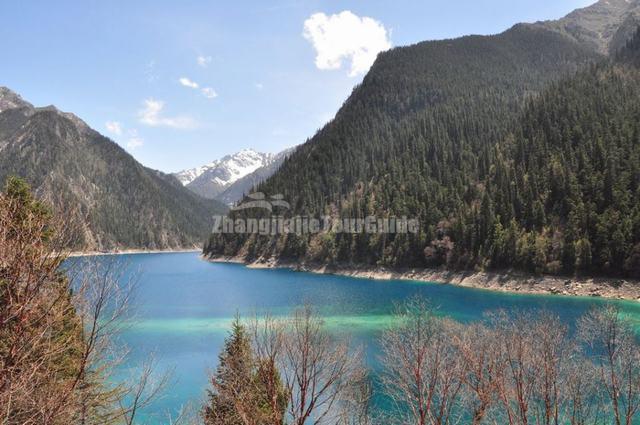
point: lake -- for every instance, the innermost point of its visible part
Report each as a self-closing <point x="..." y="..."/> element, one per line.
<point x="184" y="306"/>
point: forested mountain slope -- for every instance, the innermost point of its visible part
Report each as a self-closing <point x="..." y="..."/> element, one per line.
<point x="499" y="170"/>
<point x="564" y="190"/>
<point x="414" y="139"/>
<point x="118" y="202"/>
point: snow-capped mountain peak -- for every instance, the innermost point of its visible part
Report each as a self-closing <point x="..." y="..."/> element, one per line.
<point x="187" y="176"/>
<point x="211" y="179"/>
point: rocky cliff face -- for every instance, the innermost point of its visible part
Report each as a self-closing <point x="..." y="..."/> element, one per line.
<point x="604" y="26"/>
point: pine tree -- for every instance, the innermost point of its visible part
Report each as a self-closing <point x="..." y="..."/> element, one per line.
<point x="238" y="394"/>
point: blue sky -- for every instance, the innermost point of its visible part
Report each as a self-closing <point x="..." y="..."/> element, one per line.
<point x="268" y="73"/>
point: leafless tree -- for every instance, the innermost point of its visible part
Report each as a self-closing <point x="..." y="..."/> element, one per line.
<point x="422" y="369"/>
<point x="355" y="406"/>
<point x="476" y="346"/>
<point x="515" y="369"/>
<point x="519" y="374"/>
<point x="56" y="333"/>
<point x="616" y="354"/>
<point x="268" y="340"/>
<point x="584" y="397"/>
<point x="553" y="352"/>
<point x="319" y="370"/>
<point x="188" y="414"/>
<point x="544" y="376"/>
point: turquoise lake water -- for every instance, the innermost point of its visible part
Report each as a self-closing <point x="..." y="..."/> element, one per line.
<point x="184" y="305"/>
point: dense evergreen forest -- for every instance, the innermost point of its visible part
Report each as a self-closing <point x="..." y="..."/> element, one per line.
<point x="518" y="150"/>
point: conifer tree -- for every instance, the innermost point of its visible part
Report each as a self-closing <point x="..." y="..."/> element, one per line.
<point x="238" y="394"/>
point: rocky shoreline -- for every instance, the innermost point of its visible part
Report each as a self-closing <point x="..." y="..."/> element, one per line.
<point x="508" y="281"/>
<point x="132" y="251"/>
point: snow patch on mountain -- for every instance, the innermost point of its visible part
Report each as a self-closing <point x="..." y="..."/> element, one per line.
<point x="212" y="179"/>
<point x="227" y="170"/>
<point x="187" y="176"/>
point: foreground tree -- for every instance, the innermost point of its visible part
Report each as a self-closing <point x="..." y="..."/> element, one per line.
<point x="533" y="354"/>
<point x="41" y="346"/>
<point x="275" y="371"/>
<point x="423" y="372"/>
<point x="322" y="373"/>
<point x="56" y="337"/>
<point x="268" y="346"/>
<point x="511" y="368"/>
<point x="514" y="369"/>
<point x="476" y="346"/>
<point x="616" y="355"/>
<point x="242" y="386"/>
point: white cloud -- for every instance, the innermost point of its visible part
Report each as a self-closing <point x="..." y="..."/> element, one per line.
<point x="203" y="61"/>
<point x="259" y="86"/>
<point x="134" y="141"/>
<point x="346" y="37"/>
<point x="151" y="115"/>
<point x="188" y="83"/>
<point x="209" y="93"/>
<point x="114" y="127"/>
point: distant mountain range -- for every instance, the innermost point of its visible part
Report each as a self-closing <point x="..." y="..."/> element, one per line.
<point x="117" y="202"/>
<point x="516" y="150"/>
<point x="233" y="176"/>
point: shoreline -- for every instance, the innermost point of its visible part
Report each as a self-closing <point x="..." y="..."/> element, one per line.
<point x="507" y="281"/>
<point x="75" y="254"/>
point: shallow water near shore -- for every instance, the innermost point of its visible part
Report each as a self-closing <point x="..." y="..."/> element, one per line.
<point x="184" y="306"/>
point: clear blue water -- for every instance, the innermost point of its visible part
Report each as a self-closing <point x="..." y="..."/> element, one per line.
<point x="184" y="305"/>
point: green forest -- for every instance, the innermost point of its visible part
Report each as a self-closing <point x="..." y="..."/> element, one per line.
<point x="520" y="150"/>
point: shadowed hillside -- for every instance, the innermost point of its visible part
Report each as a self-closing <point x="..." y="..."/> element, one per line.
<point x="117" y="202"/>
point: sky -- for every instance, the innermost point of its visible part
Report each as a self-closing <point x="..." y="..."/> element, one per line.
<point x="181" y="83"/>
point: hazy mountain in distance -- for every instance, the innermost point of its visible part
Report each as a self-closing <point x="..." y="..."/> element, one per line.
<point x="118" y="202"/>
<point x="225" y="177"/>
<point x="212" y="179"/>
<point x="236" y="191"/>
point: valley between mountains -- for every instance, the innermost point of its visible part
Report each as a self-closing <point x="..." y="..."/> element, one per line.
<point x="518" y="151"/>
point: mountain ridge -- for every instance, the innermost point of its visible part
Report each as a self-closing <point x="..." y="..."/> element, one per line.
<point x="229" y="177"/>
<point x="117" y="202"/>
<point x="236" y="191"/>
<point x="605" y="25"/>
